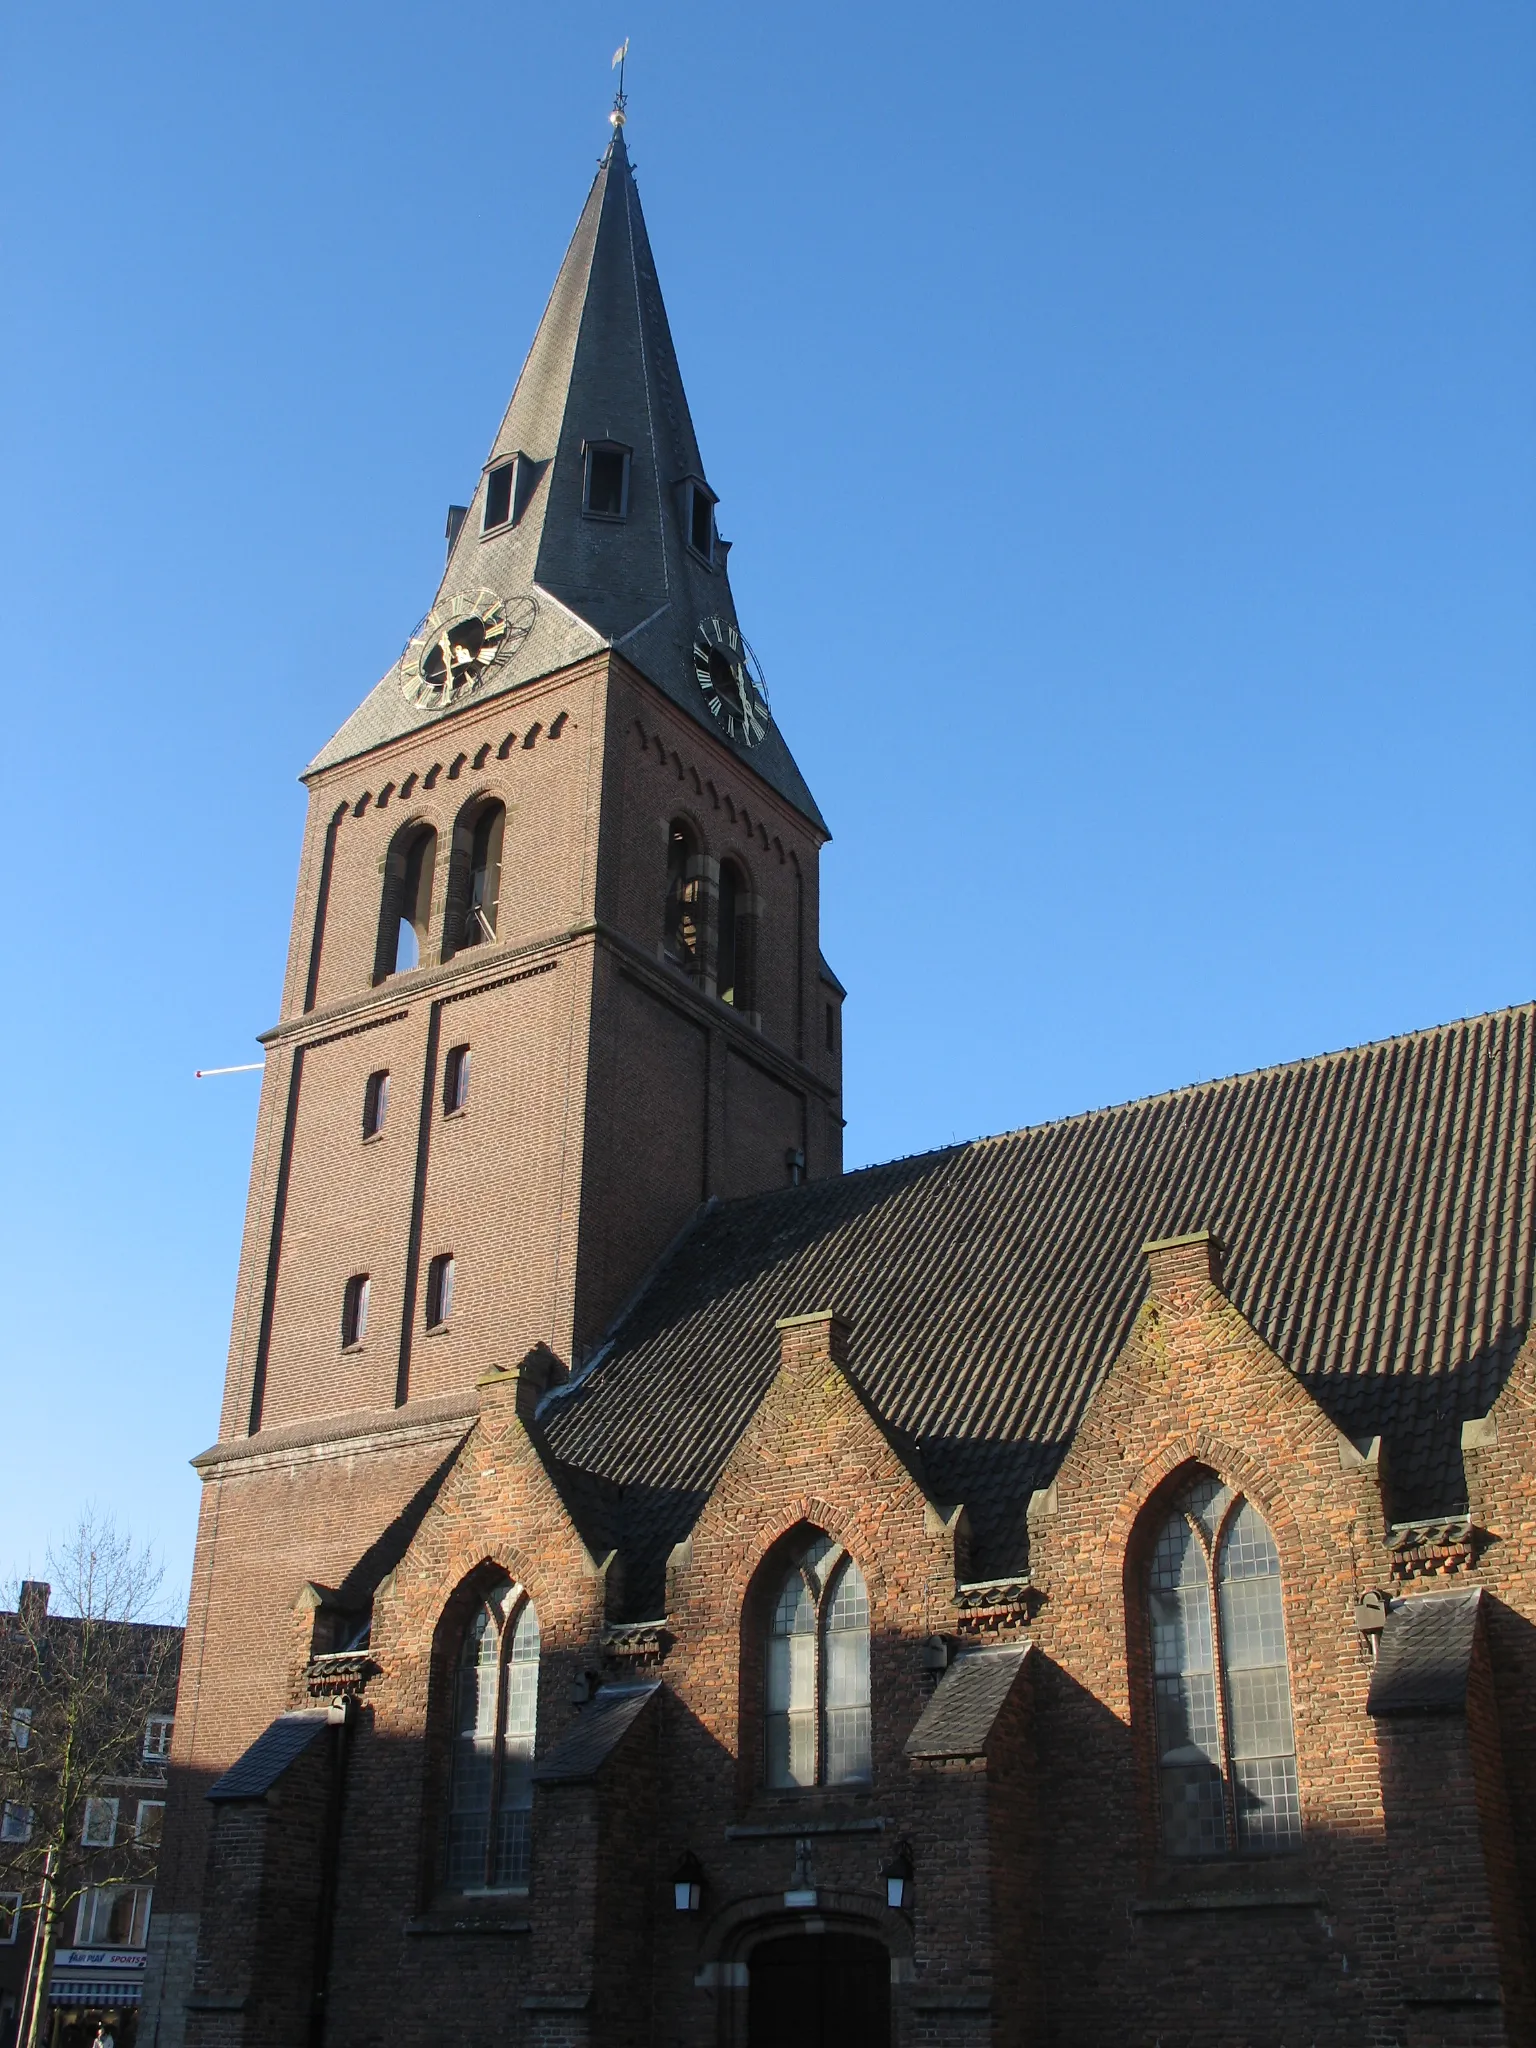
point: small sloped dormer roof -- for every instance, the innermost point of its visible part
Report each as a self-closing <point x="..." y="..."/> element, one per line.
<point x="602" y="369"/>
<point x="1377" y="1206"/>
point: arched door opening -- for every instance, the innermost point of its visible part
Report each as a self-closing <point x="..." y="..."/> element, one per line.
<point x="819" y="1991"/>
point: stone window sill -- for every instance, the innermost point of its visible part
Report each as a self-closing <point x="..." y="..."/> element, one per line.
<point x="351" y="1350"/>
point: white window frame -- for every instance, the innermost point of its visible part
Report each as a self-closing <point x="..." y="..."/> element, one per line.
<point x="15" y="1821"/>
<point x="21" y="1728"/>
<point x="154" y="1751"/>
<point x="10" y="1916"/>
<point x="140" y="1830"/>
<point x="94" y="1833"/>
<point x="96" y="1905"/>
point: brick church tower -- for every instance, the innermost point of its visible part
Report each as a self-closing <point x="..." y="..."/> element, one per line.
<point x="553" y="984"/>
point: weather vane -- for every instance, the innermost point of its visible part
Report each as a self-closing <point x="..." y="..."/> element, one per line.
<point x="617" y="116"/>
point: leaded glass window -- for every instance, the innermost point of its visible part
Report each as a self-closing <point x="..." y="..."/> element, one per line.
<point x="816" y="1719"/>
<point x="496" y="1703"/>
<point x="1226" y="1747"/>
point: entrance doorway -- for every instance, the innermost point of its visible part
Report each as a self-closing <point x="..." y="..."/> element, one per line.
<point x="819" y="1991"/>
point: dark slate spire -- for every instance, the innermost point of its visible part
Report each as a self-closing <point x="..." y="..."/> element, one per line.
<point x="602" y="369"/>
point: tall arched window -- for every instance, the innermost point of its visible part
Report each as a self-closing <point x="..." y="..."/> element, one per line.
<point x="474" y="876"/>
<point x="816" y="1704"/>
<point x="496" y="1705"/>
<point x="734" y="963"/>
<point x="405" y="910"/>
<point x="685" y="899"/>
<point x="1226" y="1747"/>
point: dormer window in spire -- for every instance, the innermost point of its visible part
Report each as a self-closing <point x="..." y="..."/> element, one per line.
<point x="605" y="494"/>
<point x="699" y="503"/>
<point x="508" y="487"/>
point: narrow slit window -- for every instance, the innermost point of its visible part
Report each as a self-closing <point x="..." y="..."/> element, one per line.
<point x="440" y="1291"/>
<point x="375" y="1103"/>
<point x="456" y="1080"/>
<point x="607" y="482"/>
<point x="354" y="1311"/>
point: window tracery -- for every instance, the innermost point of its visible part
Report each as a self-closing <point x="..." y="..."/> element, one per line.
<point x="816" y="1706"/>
<point x="495" y="1727"/>
<point x="1225" y="1739"/>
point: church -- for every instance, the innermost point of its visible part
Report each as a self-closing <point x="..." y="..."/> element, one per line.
<point x="656" y="1590"/>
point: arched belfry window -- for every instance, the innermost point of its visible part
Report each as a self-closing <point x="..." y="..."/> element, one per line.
<point x="684" y="930"/>
<point x="735" y="949"/>
<point x="816" y="1694"/>
<point x="474" y="876"/>
<point x="495" y="1721"/>
<point x="405" y="909"/>
<point x="1226" y="1746"/>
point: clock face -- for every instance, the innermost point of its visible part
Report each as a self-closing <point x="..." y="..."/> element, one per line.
<point x="729" y="674"/>
<point x="458" y="643"/>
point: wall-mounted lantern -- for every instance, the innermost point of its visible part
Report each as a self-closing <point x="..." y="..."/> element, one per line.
<point x="688" y="1884"/>
<point x="898" y="1878"/>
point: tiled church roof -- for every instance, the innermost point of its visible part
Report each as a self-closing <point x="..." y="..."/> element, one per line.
<point x="1377" y="1207"/>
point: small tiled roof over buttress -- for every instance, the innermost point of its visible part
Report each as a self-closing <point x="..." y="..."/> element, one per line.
<point x="1376" y="1205"/>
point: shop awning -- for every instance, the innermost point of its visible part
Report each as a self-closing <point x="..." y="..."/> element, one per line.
<point x="95" y="1991"/>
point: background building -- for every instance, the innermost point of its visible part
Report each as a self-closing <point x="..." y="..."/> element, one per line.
<point x="88" y="1742"/>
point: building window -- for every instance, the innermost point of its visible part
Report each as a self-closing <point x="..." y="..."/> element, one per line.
<point x="157" y="1737"/>
<point x="114" y="1916"/>
<point x="375" y="1103"/>
<point x="99" y="1830"/>
<point x="816" y="1718"/>
<point x="496" y="1707"/>
<point x="405" y="911"/>
<point x="440" y="1291"/>
<point x="508" y="488"/>
<point x="148" y="1822"/>
<point x="10" y="1916"/>
<point x="1226" y="1747"/>
<point x="701" y="521"/>
<point x="354" y="1311"/>
<point x="15" y="1821"/>
<point x="498" y="495"/>
<point x="456" y="1080"/>
<point x="734" y="951"/>
<point x="20" y="1736"/>
<point x="606" y="492"/>
<point x="684" y="928"/>
<point x="474" y="876"/>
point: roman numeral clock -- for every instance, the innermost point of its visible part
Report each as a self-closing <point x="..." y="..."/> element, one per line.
<point x="731" y="678"/>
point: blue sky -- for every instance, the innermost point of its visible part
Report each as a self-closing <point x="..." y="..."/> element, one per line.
<point x="1125" y="420"/>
